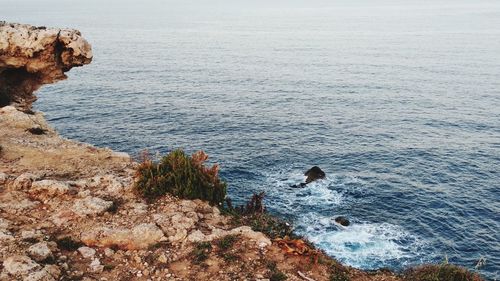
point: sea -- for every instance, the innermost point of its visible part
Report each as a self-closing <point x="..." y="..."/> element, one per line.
<point x="397" y="101"/>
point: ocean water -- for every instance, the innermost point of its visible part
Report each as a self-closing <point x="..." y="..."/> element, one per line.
<point x="397" y="101"/>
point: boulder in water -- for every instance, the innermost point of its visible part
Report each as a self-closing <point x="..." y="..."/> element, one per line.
<point x="342" y="221"/>
<point x="313" y="174"/>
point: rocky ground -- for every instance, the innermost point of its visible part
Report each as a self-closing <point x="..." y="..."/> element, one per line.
<point x="68" y="212"/>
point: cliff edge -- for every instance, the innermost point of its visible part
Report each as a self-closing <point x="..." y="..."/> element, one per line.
<point x="33" y="56"/>
<point x="68" y="210"/>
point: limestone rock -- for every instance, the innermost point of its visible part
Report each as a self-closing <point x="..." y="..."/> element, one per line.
<point x="30" y="234"/>
<point x="87" y="252"/>
<point x="139" y="208"/>
<point x="91" y="206"/>
<point x="112" y="184"/>
<point x="4" y="224"/>
<point x="258" y="237"/>
<point x="123" y="155"/>
<point x="5" y="234"/>
<point x="198" y="236"/>
<point x="24" y="181"/>
<point x="139" y="237"/>
<point x="33" y="56"/>
<point x="95" y="266"/>
<point x="205" y="209"/>
<point x="177" y="226"/>
<point x="20" y="265"/>
<point x="188" y="205"/>
<point x="108" y="252"/>
<point x="62" y="217"/>
<point x="48" y="273"/>
<point x="15" y="201"/>
<point x="162" y="258"/>
<point x="40" y="251"/>
<point x="49" y="188"/>
<point x="3" y="178"/>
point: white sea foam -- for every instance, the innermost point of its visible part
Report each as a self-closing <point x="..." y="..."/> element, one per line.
<point x="318" y="193"/>
<point x="362" y="244"/>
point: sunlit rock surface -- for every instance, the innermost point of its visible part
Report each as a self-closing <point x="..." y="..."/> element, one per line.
<point x="33" y="56"/>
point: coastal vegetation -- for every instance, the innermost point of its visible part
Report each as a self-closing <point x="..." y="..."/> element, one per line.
<point x="187" y="177"/>
<point x="254" y="214"/>
<point x="225" y="246"/>
<point x="83" y="220"/>
<point x="275" y="274"/>
<point x="441" y="272"/>
<point x="180" y="175"/>
<point x="201" y="252"/>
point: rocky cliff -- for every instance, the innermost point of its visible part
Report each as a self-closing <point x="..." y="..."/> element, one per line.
<point x="33" y="56"/>
<point x="68" y="210"/>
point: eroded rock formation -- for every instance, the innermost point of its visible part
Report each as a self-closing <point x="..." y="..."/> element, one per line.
<point x="33" y="56"/>
<point x="68" y="210"/>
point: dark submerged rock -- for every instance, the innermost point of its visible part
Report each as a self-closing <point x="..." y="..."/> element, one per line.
<point x="342" y="221"/>
<point x="300" y="185"/>
<point x="313" y="174"/>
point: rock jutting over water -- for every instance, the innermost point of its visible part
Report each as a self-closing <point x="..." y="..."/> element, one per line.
<point x="33" y="56"/>
<point x="70" y="211"/>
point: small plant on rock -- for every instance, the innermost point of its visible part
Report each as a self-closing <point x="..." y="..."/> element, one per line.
<point x="338" y="273"/>
<point x="227" y="242"/>
<point x="201" y="252"/>
<point x="254" y="214"/>
<point x="224" y="245"/>
<point x="442" y="272"/>
<point x="182" y="176"/>
<point x="275" y="274"/>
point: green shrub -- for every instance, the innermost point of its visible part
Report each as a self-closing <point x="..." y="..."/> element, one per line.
<point x="230" y="257"/>
<point x="339" y="276"/>
<point x="254" y="214"/>
<point x="338" y="273"/>
<point x="201" y="252"/>
<point x="269" y="225"/>
<point x="443" y="272"/>
<point x="274" y="273"/>
<point x="226" y="243"/>
<point x="277" y="276"/>
<point x="182" y="176"/>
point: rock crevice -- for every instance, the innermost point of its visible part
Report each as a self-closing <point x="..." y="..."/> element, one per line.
<point x="33" y="56"/>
